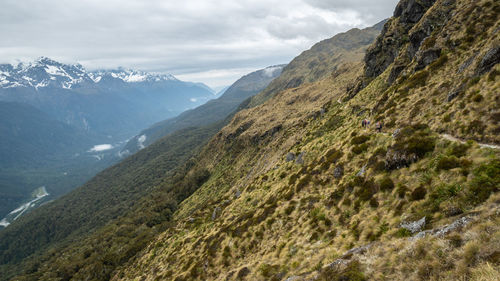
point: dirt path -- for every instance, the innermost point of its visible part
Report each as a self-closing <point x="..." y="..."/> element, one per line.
<point x="485" y="145"/>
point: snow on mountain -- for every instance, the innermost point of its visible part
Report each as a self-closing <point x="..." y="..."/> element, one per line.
<point x="132" y="76"/>
<point x="46" y="72"/>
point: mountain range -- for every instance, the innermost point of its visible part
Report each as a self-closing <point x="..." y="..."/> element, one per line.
<point x="61" y="124"/>
<point x="295" y="184"/>
<point x="210" y="112"/>
<point x="110" y="104"/>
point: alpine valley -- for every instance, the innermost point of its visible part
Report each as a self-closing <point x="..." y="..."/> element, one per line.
<point x="374" y="155"/>
<point x="62" y="124"/>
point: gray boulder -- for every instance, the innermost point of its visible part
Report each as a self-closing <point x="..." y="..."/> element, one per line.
<point x="414" y="226"/>
<point x="216" y="213"/>
<point x="338" y="172"/>
<point x="300" y="158"/>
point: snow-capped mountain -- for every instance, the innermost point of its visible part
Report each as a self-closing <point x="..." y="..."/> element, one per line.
<point x="131" y="76"/>
<point x="116" y="103"/>
<point x="45" y="72"/>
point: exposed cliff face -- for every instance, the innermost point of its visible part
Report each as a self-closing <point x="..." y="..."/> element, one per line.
<point x="394" y="35"/>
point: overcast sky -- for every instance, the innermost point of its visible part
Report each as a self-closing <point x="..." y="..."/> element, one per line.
<point x="214" y="42"/>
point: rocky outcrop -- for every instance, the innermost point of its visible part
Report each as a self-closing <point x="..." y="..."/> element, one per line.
<point x="490" y="59"/>
<point x="414" y="226"/>
<point x="427" y="57"/>
<point x="385" y="50"/>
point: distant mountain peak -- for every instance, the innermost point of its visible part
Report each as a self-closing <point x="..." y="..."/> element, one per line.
<point x="46" y="72"/>
<point x="133" y="76"/>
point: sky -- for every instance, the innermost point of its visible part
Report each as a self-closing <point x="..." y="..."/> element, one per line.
<point x="214" y="42"/>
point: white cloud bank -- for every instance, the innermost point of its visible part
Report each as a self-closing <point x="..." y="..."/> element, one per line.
<point x="208" y="40"/>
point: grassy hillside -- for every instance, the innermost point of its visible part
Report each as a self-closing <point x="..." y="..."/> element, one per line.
<point x="132" y="226"/>
<point x="294" y="187"/>
<point x="321" y="60"/>
<point x="298" y="189"/>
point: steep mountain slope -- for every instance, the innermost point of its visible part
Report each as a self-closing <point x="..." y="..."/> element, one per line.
<point x="322" y="59"/>
<point x="30" y="138"/>
<point x="115" y="103"/>
<point x="300" y="191"/>
<point x="209" y="112"/>
<point x="29" y="135"/>
<point x="98" y="254"/>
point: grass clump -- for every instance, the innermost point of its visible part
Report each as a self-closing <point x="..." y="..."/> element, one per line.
<point x="418" y="79"/>
<point x="358" y="149"/>
<point x="352" y="272"/>
<point x="418" y="193"/>
<point x="447" y="162"/>
<point x="485" y="181"/>
<point x="360" y="139"/>
<point x="386" y="183"/>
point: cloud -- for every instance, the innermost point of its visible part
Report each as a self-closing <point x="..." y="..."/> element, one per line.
<point x="190" y="38"/>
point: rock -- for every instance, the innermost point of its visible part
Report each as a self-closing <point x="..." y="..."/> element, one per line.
<point x="427" y="57"/>
<point x="294" y="278"/>
<point x="338" y="172"/>
<point x="453" y="211"/>
<point x="441" y="231"/>
<point x="396" y="133"/>
<point x="300" y="158"/>
<point x="490" y="59"/>
<point x="396" y="160"/>
<point x="411" y="11"/>
<point x="290" y="156"/>
<point x="395" y="71"/>
<point x="237" y="193"/>
<point x="466" y="63"/>
<point x="362" y="171"/>
<point x="216" y="213"/>
<point x="414" y="226"/>
<point x="455" y="93"/>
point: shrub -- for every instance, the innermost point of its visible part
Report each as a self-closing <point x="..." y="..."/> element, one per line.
<point x="268" y="270"/>
<point x="403" y="232"/>
<point x="303" y="182"/>
<point x="420" y="145"/>
<point x="418" y="193"/>
<point x="447" y="162"/>
<point x="477" y="98"/>
<point x="418" y="79"/>
<point x="447" y="118"/>
<point x="457" y="149"/>
<point x="439" y="62"/>
<point x="292" y="179"/>
<point x="386" y="183"/>
<point x="476" y="126"/>
<point x="360" y="139"/>
<point x="374" y="202"/>
<point x="486" y="180"/>
<point x="379" y="166"/>
<point x="366" y="190"/>
<point x="358" y="149"/>
<point x="401" y="190"/>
